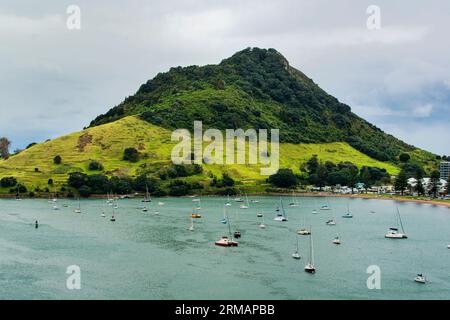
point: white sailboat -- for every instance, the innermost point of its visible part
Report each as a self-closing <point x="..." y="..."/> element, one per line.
<point x="397" y="232"/>
<point x="191" y="227"/>
<point x="325" y="206"/>
<point x="296" y="254"/>
<point x="348" y="214"/>
<point x="310" y="267"/>
<point x="78" y="209"/>
<point x="420" y="278"/>
<point x="262" y="225"/>
<point x="294" y="202"/>
<point x="246" y="204"/>
<point x="147" y="195"/>
<point x="281" y="215"/>
<point x="303" y="231"/>
<point x="224" y="220"/>
<point x="336" y="240"/>
<point x="228" y="203"/>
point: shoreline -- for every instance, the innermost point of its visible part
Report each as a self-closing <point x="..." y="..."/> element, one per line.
<point x="297" y="194"/>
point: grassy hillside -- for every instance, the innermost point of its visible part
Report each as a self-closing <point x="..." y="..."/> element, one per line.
<point x="106" y="143"/>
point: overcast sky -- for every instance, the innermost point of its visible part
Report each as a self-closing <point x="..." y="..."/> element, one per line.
<point x="54" y="80"/>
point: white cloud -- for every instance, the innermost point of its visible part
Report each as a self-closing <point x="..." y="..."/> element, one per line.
<point x="423" y="111"/>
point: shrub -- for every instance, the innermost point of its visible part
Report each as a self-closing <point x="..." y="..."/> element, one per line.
<point x="284" y="178"/>
<point x="8" y="182"/>
<point x="57" y="160"/>
<point x="84" y="191"/>
<point x="50" y="182"/>
<point x="404" y="157"/>
<point x="131" y="154"/>
<point x="95" y="166"/>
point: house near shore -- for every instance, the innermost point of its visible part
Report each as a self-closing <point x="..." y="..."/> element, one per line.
<point x="426" y="182"/>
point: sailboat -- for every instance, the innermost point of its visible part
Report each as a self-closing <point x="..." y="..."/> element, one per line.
<point x="199" y="205"/>
<point x="237" y="233"/>
<point x="227" y="241"/>
<point x="103" y="215"/>
<point x="304" y="231"/>
<point x="147" y="195"/>
<point x="281" y="216"/>
<point x="348" y="214"/>
<point x="55" y="204"/>
<point x="336" y="240"/>
<point x="294" y="202"/>
<point x="228" y="203"/>
<point x="224" y="220"/>
<point x="18" y="198"/>
<point x="420" y="278"/>
<point x="262" y="225"/>
<point x="145" y="209"/>
<point x="109" y="200"/>
<point x="310" y="266"/>
<point x="246" y="205"/>
<point x="393" y="232"/>
<point x="325" y="206"/>
<point x="78" y="209"/>
<point x="191" y="227"/>
<point x="195" y="214"/>
<point x="296" y="254"/>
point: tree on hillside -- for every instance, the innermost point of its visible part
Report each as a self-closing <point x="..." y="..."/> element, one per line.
<point x="8" y="182"/>
<point x="366" y="178"/>
<point x="57" y="160"/>
<point x="435" y="183"/>
<point x="401" y="182"/>
<point x="131" y="154"/>
<point x="322" y="176"/>
<point x="447" y="188"/>
<point x="312" y="164"/>
<point x="404" y="157"/>
<point x="352" y="176"/>
<point x="419" y="188"/>
<point x="284" y="178"/>
<point x="4" y="147"/>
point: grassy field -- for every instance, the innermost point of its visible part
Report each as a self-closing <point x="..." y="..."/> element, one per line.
<point x="106" y="143"/>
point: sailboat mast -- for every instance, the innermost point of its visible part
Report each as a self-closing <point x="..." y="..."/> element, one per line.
<point x="311" y="248"/>
<point x="282" y="208"/>
<point x="228" y="220"/>
<point x="400" y="220"/>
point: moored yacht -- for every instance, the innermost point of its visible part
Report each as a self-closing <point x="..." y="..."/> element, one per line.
<point x="397" y="232"/>
<point x="281" y="215"/>
<point x="310" y="266"/>
<point x="420" y="278"/>
<point x="226" y="242"/>
<point x="336" y="240"/>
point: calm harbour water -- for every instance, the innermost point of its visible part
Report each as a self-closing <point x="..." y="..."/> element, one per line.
<point x="148" y="256"/>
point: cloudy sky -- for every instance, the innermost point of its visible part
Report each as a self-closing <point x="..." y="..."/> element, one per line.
<point x="54" y="80"/>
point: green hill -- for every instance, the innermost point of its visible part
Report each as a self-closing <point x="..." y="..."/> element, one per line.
<point x="106" y="143"/>
<point x="255" y="88"/>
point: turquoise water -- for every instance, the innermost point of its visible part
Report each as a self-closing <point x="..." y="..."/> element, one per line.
<point x="147" y="256"/>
